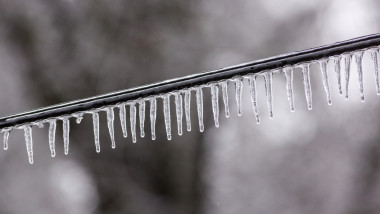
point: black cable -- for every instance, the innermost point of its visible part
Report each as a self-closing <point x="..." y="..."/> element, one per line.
<point x="192" y="80"/>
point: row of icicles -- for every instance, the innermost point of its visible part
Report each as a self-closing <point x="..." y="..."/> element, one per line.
<point x="185" y="95"/>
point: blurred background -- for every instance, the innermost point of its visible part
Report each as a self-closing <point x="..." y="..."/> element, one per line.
<point x="322" y="161"/>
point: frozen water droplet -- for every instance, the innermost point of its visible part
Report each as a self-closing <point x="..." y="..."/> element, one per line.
<point x="187" y="109"/>
<point x="95" y="122"/>
<point x="238" y="94"/>
<point x="375" y="59"/>
<point x="179" y="111"/>
<point x="132" y="118"/>
<point x="289" y="86"/>
<point x="52" y="130"/>
<point x="199" y="99"/>
<point x="225" y="97"/>
<point x="5" y="139"/>
<point x="337" y="72"/>
<point x="323" y="66"/>
<point x="166" y="102"/>
<point x="153" y="114"/>
<point x="215" y="103"/>
<point x="347" y="68"/>
<point x="142" y="117"/>
<point x="252" y="87"/>
<point x="123" y="119"/>
<point x="29" y="142"/>
<point x="79" y="118"/>
<point x="358" y="58"/>
<point x="111" y="126"/>
<point x="66" y="134"/>
<point x="307" y="85"/>
<point x="268" y="76"/>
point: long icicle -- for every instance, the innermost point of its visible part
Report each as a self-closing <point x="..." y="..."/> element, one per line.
<point x="52" y="131"/>
<point x="29" y="142"/>
<point x="347" y="68"/>
<point x="111" y="125"/>
<point x="123" y="119"/>
<point x="187" y="109"/>
<point x="142" y="117"/>
<point x="5" y="139"/>
<point x="66" y="134"/>
<point x="359" y="64"/>
<point x="95" y="122"/>
<point x="268" y="76"/>
<point x="307" y="85"/>
<point x="153" y="115"/>
<point x="224" y="86"/>
<point x="215" y="103"/>
<point x="238" y="94"/>
<point x="179" y="111"/>
<point x="325" y="79"/>
<point x="166" y="103"/>
<point x="132" y="118"/>
<point x="337" y="69"/>
<point x="375" y="59"/>
<point x="199" y="99"/>
<point x="252" y="87"/>
<point x="288" y="71"/>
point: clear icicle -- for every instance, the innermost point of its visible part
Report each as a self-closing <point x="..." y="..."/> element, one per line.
<point x="5" y="139"/>
<point x="166" y="103"/>
<point x="225" y="97"/>
<point x="153" y="114"/>
<point x="132" y="117"/>
<point x="323" y="66"/>
<point x="95" y="122"/>
<point x="66" y="134"/>
<point x="252" y="87"/>
<point x="289" y="86"/>
<point x="347" y="63"/>
<point x="111" y="125"/>
<point x="374" y="55"/>
<point x="359" y="64"/>
<point x="52" y="130"/>
<point x="123" y="119"/>
<point x="187" y="109"/>
<point x="29" y="142"/>
<point x="179" y="111"/>
<point x="307" y="85"/>
<point x="79" y="118"/>
<point x="337" y="72"/>
<point x="215" y="103"/>
<point x="199" y="99"/>
<point x="142" y="117"/>
<point x="238" y="94"/>
<point x="268" y="76"/>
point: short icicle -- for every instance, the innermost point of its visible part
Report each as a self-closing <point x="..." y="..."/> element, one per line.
<point x="199" y="99"/>
<point x="268" y="76"/>
<point x="289" y="86"/>
<point x="166" y="103"/>
<point x="187" y="109"/>
<point x="325" y="80"/>
<point x="95" y="122"/>
<point x="337" y="60"/>
<point x="29" y="142"/>
<point x="123" y="119"/>
<point x="215" y="103"/>
<point x="224" y="86"/>
<point x="142" y="117"/>
<point x="52" y="131"/>
<point x="252" y="89"/>
<point x="66" y="134"/>
<point x="238" y="94"/>
<point x="5" y="139"/>
<point x="359" y="64"/>
<point x="375" y="59"/>
<point x="79" y="118"/>
<point x="153" y="115"/>
<point x="307" y="85"/>
<point x="347" y="68"/>
<point x="111" y="125"/>
<point x="179" y="111"/>
<point x="132" y="118"/>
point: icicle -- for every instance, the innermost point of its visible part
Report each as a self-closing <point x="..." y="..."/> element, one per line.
<point x="132" y="118"/>
<point x="66" y="134"/>
<point x="5" y="139"/>
<point x="187" y="109"/>
<point x="179" y="111"/>
<point x="323" y="65"/>
<point x="374" y="55"/>
<point x="337" y="72"/>
<point x="306" y="83"/>
<point x="225" y="97"/>
<point x="199" y="99"/>
<point x="358" y="58"/>
<point x="252" y="87"/>
<point x="79" y="118"/>
<point x="268" y="76"/>
<point x="289" y="86"/>
<point x="215" y="103"/>
<point x="153" y="114"/>
<point x="166" y="102"/>
<point x="95" y="122"/>
<point x="40" y="124"/>
<point x="123" y="119"/>
<point x="52" y="130"/>
<point x="238" y="94"/>
<point x="111" y="126"/>
<point x="347" y="62"/>
<point x="142" y="117"/>
<point x="29" y="142"/>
